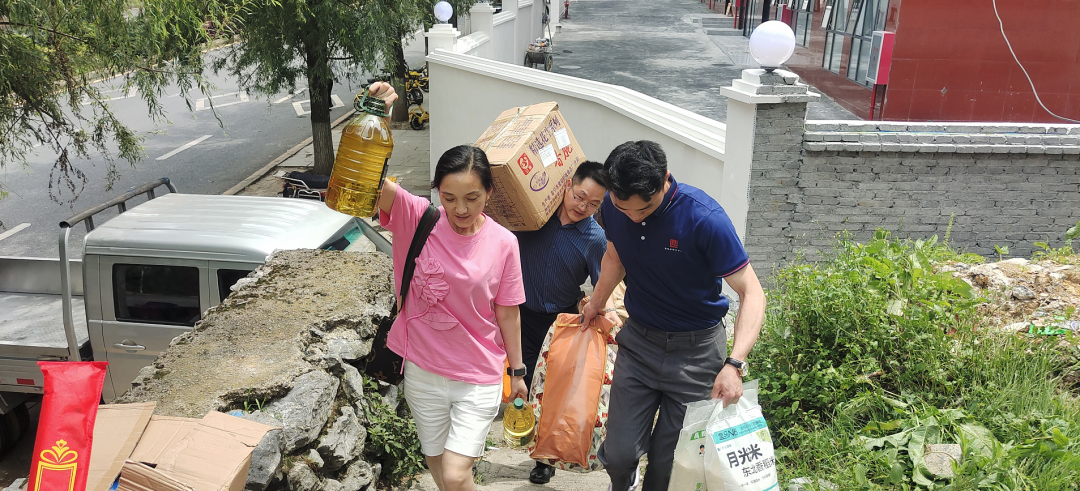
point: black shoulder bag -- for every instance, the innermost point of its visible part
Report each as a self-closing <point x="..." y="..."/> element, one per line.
<point x="382" y="363"/>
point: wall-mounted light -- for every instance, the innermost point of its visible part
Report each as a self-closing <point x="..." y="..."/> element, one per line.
<point x="771" y="44"/>
<point x="444" y="11"/>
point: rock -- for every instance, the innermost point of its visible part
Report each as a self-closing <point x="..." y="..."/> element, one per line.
<point x="939" y="458"/>
<point x="1016" y="261"/>
<point x="1023" y="293"/>
<point x="1016" y="327"/>
<point x="332" y="485"/>
<point x="357" y="475"/>
<point x="18" y="485"/>
<point x="390" y="396"/>
<point x="352" y="383"/>
<point x="344" y="442"/>
<point x="989" y="277"/>
<point x="305" y="409"/>
<point x="347" y="345"/>
<point x="315" y="458"/>
<point x="265" y="461"/>
<point x="302" y="478"/>
<point x="376" y="470"/>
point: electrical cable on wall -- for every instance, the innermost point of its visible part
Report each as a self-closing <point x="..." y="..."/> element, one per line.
<point x="1007" y="43"/>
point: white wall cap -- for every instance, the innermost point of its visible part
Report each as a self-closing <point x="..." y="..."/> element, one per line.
<point x="482" y="7"/>
<point x="758" y="76"/>
<point x="504" y="17"/>
<point x="752" y="98"/>
<point x="440" y="30"/>
<point x="472" y="41"/>
<point x="706" y="135"/>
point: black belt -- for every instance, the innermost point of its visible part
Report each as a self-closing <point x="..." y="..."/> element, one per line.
<point x="691" y="336"/>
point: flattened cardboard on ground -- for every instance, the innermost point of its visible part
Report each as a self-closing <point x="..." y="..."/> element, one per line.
<point x="208" y="454"/>
<point x="116" y="433"/>
<point x="532" y="154"/>
<point x="136" y="476"/>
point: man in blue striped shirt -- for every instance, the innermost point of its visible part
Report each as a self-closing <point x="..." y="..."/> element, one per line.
<point x="555" y="261"/>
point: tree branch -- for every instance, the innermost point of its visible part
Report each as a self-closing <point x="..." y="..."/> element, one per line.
<point x="46" y="29"/>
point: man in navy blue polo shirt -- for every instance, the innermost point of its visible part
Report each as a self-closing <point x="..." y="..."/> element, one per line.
<point x="555" y="261"/>
<point x="674" y="244"/>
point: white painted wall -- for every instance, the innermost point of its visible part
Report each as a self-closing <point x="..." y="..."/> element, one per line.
<point x="503" y="41"/>
<point x="468" y="93"/>
<point x="525" y="29"/>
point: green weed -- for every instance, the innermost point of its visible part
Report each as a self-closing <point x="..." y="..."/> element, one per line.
<point x="871" y="354"/>
<point x="392" y="438"/>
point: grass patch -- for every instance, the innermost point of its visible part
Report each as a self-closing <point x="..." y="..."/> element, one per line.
<point x="871" y="354"/>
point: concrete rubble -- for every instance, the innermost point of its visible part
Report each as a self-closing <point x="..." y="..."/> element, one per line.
<point x="284" y="350"/>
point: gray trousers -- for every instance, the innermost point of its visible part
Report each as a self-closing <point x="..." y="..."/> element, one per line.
<point x="656" y="370"/>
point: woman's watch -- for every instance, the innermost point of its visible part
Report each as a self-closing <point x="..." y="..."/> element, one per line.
<point x="516" y="372"/>
<point x="740" y="365"/>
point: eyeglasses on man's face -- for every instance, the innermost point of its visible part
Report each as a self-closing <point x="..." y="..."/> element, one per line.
<point x="580" y="199"/>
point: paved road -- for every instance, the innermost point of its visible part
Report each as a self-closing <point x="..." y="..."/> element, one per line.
<point x="652" y="47"/>
<point x="191" y="148"/>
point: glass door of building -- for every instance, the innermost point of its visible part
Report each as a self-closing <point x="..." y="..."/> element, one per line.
<point x="857" y="20"/>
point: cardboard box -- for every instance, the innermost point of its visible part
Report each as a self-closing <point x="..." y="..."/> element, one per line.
<point x="172" y="454"/>
<point x="532" y="154"/>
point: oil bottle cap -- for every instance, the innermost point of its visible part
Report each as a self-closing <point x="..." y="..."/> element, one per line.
<point x="370" y="104"/>
<point x="518" y="403"/>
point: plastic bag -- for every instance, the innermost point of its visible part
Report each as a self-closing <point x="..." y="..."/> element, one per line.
<point x="688" y="470"/>
<point x="741" y="453"/>
<point x="65" y="432"/>
<point x="568" y="393"/>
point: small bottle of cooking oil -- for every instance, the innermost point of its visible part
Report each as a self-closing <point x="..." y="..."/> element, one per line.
<point x="518" y="424"/>
<point x="360" y="165"/>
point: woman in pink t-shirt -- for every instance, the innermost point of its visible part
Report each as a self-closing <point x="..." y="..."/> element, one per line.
<point x="460" y="319"/>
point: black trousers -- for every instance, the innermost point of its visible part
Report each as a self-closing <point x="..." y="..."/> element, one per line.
<point x="534" y="328"/>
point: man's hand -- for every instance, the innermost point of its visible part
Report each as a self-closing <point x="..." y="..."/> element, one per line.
<point x="589" y="313"/>
<point x="383" y="91"/>
<point x="613" y="317"/>
<point x="728" y="385"/>
<point x="518" y="389"/>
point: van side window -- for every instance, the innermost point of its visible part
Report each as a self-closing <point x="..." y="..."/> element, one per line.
<point x="156" y="294"/>
<point x="227" y="278"/>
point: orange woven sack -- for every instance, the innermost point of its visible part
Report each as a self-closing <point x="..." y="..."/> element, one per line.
<point x="575" y="376"/>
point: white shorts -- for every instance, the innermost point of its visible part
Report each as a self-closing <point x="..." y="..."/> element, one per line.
<point x="450" y="414"/>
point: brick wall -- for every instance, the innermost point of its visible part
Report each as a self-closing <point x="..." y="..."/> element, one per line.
<point x="1001" y="185"/>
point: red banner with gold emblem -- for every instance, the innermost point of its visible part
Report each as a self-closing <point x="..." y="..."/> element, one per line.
<point x="66" y="427"/>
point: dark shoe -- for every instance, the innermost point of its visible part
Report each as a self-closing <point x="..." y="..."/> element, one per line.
<point x="541" y="474"/>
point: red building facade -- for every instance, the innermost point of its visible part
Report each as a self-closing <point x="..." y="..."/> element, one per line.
<point x="950" y="58"/>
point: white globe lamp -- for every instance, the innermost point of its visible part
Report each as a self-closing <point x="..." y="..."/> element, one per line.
<point x="771" y="44"/>
<point x="444" y="11"/>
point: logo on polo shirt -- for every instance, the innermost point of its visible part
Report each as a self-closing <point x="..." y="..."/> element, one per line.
<point x="673" y="245"/>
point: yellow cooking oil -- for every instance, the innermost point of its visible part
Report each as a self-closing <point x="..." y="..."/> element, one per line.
<point x="360" y="165"/>
<point x="519" y="426"/>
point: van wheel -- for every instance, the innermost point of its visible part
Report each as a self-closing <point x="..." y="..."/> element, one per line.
<point x="23" y="415"/>
<point x="9" y="432"/>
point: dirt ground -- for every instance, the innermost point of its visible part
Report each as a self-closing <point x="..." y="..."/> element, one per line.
<point x="1044" y="293"/>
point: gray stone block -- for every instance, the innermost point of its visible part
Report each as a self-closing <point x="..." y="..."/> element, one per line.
<point x="891" y="147"/>
<point x="980" y="138"/>
<point x="831" y="137"/>
<point x="305" y="409"/>
<point x="928" y="148"/>
<point x="1001" y="148"/>
<point x="1055" y="149"/>
<point x="946" y="148"/>
<point x="849" y="137"/>
<point x="910" y="147"/>
<point x="813" y="136"/>
<point x="852" y="147"/>
<point x="939" y="459"/>
<point x="302" y="478"/>
<point x="344" y="441"/>
<point x="1033" y="129"/>
<point x="834" y="147"/>
<point x="265" y="461"/>
<point x="944" y="138"/>
<point x="966" y="148"/>
<point x="966" y="138"/>
<point x="816" y="126"/>
<point x="927" y="138"/>
<point x="998" y="139"/>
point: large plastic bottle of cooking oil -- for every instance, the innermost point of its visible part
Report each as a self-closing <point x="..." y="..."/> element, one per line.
<point x="362" y="154"/>
<point x="518" y="424"/>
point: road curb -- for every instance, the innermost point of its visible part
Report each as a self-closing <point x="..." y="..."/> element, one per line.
<point x="259" y="174"/>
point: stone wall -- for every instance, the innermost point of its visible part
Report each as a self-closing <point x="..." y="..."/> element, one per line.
<point x="998" y="184"/>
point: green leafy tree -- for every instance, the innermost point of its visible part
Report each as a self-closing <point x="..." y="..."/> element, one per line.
<point x="284" y="41"/>
<point x="51" y="52"/>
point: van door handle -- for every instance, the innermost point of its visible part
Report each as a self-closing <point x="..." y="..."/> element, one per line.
<point x="129" y="345"/>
